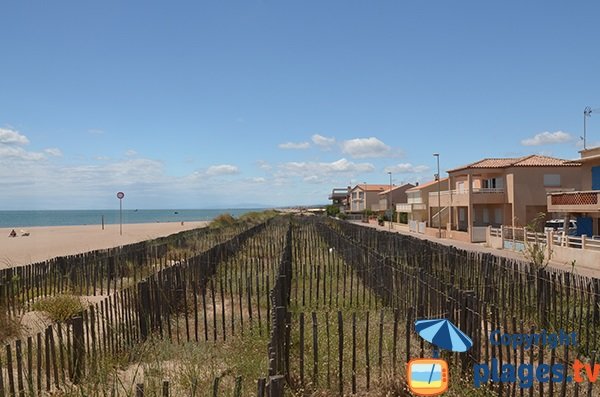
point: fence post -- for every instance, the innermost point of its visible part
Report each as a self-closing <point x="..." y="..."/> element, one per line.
<point x="583" y="241"/>
<point x="276" y="384"/>
<point x="144" y="308"/>
<point x="78" y="349"/>
<point x="262" y="383"/>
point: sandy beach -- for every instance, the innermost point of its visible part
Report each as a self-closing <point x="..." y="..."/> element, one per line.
<point x="51" y="241"/>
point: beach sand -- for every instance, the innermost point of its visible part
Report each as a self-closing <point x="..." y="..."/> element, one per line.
<point x="51" y="241"/>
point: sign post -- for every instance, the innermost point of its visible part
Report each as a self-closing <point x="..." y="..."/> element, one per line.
<point x="120" y="196"/>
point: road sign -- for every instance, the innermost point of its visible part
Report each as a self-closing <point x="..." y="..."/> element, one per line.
<point x="120" y="195"/>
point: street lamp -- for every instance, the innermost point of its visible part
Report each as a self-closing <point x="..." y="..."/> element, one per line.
<point x="390" y="201"/>
<point x="437" y="156"/>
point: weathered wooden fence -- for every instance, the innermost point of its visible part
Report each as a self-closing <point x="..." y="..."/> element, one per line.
<point x="65" y="352"/>
<point x="101" y="272"/>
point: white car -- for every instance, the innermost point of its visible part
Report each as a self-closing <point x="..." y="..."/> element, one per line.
<point x="557" y="225"/>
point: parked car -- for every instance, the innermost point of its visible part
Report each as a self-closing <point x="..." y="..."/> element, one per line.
<point x="557" y="225"/>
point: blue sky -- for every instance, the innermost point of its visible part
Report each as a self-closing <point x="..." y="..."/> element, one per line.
<point x="216" y="104"/>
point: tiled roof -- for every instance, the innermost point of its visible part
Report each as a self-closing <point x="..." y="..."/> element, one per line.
<point x="372" y="188"/>
<point x="405" y="186"/>
<point x="534" y="160"/>
<point x="427" y="184"/>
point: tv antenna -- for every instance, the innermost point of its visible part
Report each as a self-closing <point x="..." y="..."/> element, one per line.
<point x="587" y="112"/>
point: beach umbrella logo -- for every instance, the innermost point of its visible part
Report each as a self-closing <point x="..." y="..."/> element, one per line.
<point x="443" y="335"/>
<point x="429" y="376"/>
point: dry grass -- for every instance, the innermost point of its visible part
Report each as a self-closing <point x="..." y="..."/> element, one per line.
<point x="9" y="327"/>
<point x="60" y="307"/>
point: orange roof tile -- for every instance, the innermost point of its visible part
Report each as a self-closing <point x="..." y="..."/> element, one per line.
<point x="396" y="187"/>
<point x="427" y="184"/>
<point x="534" y="160"/>
<point x="372" y="188"/>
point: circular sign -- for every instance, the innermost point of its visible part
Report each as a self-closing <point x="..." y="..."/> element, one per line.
<point x="120" y="195"/>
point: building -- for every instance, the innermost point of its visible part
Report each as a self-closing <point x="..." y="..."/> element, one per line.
<point x="583" y="204"/>
<point x="365" y="196"/>
<point x="340" y="198"/>
<point x="502" y="191"/>
<point x="417" y="203"/>
<point x="398" y="195"/>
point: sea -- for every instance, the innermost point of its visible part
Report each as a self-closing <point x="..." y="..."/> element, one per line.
<point x="95" y="217"/>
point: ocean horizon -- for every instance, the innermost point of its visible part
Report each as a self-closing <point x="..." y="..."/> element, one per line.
<point x="31" y="218"/>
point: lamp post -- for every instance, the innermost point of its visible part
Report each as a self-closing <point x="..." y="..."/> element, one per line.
<point x="390" y="201"/>
<point x="437" y="156"/>
<point x="120" y="196"/>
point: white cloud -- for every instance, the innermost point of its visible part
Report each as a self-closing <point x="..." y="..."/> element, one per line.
<point x="407" y="168"/>
<point x="367" y="147"/>
<point x="309" y="169"/>
<point x="312" y="179"/>
<point x="259" y="179"/>
<point x="18" y="153"/>
<point x="222" y="169"/>
<point x="10" y="136"/>
<point x="53" y="152"/>
<point x="263" y="165"/>
<point x="322" y="141"/>
<point x="95" y="131"/>
<point x="294" y="145"/>
<point x="546" y="138"/>
<point x="130" y="153"/>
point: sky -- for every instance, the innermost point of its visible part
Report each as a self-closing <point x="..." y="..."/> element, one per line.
<point x="194" y="104"/>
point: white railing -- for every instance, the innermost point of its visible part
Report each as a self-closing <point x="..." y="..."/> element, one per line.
<point x="523" y="236"/>
<point x="475" y="190"/>
<point x="487" y="190"/>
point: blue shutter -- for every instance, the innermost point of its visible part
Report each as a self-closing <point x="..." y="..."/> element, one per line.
<point x="596" y="178"/>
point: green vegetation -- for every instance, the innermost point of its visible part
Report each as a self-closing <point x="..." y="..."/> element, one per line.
<point x="332" y="210"/>
<point x="60" y="307"/>
<point x="247" y="219"/>
<point x="535" y="251"/>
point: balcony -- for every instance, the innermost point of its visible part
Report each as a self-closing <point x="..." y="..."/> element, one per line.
<point x="460" y="198"/>
<point x="588" y="201"/>
<point x="410" y="207"/>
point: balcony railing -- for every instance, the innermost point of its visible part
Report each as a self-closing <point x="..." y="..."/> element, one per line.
<point x="575" y="198"/>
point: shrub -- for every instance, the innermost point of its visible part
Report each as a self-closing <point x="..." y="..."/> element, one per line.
<point x="223" y="220"/>
<point x="60" y="307"/>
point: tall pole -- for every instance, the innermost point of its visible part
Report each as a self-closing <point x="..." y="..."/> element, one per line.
<point x="587" y="112"/>
<point x="390" y="201"/>
<point x="121" y="217"/>
<point x="120" y="196"/>
<point x="437" y="155"/>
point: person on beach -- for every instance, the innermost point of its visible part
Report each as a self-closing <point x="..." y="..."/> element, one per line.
<point x="12" y="233"/>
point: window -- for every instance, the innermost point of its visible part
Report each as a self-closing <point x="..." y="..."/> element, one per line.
<point x="461" y="214"/>
<point x="493" y="183"/>
<point x="552" y="180"/>
<point x="486" y="215"/>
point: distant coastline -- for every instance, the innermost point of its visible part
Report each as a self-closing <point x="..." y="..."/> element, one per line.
<point x="19" y="219"/>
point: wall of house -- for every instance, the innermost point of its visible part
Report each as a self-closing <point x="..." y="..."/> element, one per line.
<point x="372" y="198"/>
<point x="586" y="173"/>
<point x="492" y="209"/>
<point x="529" y="193"/>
